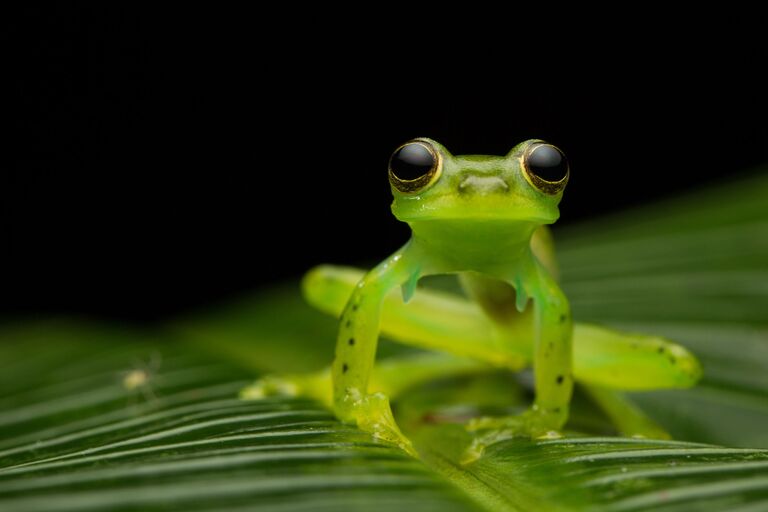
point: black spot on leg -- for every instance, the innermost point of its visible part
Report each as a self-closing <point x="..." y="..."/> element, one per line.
<point x="351" y="341"/>
<point x="660" y="350"/>
<point x="348" y="323"/>
<point x="556" y="410"/>
<point x="344" y="368"/>
<point x="560" y="379"/>
<point x="563" y="318"/>
<point x="672" y="360"/>
<point x="354" y="307"/>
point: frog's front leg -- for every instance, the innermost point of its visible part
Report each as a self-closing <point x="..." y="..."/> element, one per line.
<point x="356" y="348"/>
<point x="552" y="357"/>
<point x="552" y="367"/>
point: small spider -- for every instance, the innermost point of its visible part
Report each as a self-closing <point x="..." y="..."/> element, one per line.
<point x="140" y="377"/>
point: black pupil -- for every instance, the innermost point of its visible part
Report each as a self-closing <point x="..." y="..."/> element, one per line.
<point x="548" y="163"/>
<point x="411" y="162"/>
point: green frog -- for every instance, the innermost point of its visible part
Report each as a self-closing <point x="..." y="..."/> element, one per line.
<point x="484" y="218"/>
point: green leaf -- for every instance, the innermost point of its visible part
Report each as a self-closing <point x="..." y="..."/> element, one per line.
<point x="100" y="418"/>
<point x="73" y="437"/>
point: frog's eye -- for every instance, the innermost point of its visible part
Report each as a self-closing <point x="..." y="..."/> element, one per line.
<point x="414" y="166"/>
<point x="545" y="167"/>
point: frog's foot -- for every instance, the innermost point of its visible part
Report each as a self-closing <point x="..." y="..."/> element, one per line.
<point x="532" y="424"/>
<point x="373" y="414"/>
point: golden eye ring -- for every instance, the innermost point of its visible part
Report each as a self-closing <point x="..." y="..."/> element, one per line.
<point x="545" y="167"/>
<point x="414" y="166"/>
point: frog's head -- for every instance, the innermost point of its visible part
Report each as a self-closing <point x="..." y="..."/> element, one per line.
<point x="429" y="183"/>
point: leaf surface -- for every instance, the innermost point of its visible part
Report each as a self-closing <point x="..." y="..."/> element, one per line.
<point x="100" y="418"/>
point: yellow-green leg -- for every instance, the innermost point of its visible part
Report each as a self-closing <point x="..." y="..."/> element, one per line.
<point x="356" y="350"/>
<point x="552" y="362"/>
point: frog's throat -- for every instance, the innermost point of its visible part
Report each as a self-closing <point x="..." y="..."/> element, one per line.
<point x="475" y="245"/>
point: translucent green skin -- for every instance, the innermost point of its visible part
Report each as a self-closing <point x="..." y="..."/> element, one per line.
<point x="483" y="220"/>
<point x="479" y="216"/>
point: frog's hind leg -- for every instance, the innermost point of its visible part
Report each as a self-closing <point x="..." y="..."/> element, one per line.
<point x="435" y="320"/>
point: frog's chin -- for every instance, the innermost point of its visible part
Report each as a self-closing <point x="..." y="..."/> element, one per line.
<point x="482" y="212"/>
<point x="480" y="217"/>
<point x="483" y="223"/>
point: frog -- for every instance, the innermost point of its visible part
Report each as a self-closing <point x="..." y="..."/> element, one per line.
<point x="485" y="219"/>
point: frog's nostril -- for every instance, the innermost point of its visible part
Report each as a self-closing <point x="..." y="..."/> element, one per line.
<point x="482" y="185"/>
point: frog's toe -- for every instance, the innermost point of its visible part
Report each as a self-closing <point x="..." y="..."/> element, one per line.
<point x="270" y="385"/>
<point x="491" y="430"/>
<point x="373" y="414"/>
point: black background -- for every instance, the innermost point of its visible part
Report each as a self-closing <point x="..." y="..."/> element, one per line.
<point x="166" y="158"/>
